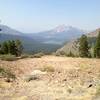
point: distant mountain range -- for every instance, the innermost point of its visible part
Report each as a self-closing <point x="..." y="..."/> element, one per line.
<point x="47" y="41"/>
<point x="9" y="31"/>
<point x="73" y="45"/>
<point x="58" y="35"/>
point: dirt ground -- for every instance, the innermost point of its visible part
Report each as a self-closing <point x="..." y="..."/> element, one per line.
<point x="56" y="78"/>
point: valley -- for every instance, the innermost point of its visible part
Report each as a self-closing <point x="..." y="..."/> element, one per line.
<point x="49" y="49"/>
<point x="46" y="41"/>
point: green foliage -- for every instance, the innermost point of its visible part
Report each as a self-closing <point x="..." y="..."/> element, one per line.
<point x="19" y="47"/>
<point x="37" y="55"/>
<point x="4" y="47"/>
<point x="97" y="47"/>
<point x="83" y="46"/>
<point x="0" y="49"/>
<point x="70" y="54"/>
<point x="11" y="47"/>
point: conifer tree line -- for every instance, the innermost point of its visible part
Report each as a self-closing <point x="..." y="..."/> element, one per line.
<point x="84" y="47"/>
<point x="13" y="47"/>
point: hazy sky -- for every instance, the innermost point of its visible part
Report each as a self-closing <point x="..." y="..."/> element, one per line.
<point x="39" y="15"/>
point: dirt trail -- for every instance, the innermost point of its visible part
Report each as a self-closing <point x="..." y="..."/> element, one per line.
<point x="72" y="79"/>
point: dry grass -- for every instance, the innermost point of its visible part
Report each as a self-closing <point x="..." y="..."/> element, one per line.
<point x="8" y="57"/>
<point x="6" y="73"/>
<point x="38" y="55"/>
<point x="97" y="94"/>
<point x="65" y="78"/>
<point x="47" y="68"/>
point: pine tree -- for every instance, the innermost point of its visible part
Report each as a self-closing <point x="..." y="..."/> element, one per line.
<point x="0" y="49"/>
<point x="10" y="47"/>
<point x="13" y="48"/>
<point x="97" y="47"/>
<point x="19" y="47"/>
<point x="83" y="46"/>
<point x="71" y="54"/>
<point x="4" y="47"/>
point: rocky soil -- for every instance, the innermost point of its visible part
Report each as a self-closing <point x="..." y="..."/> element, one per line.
<point x="52" y="78"/>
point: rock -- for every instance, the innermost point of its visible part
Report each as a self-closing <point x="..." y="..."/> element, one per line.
<point x="38" y="72"/>
<point x="56" y="81"/>
<point x="90" y="85"/>
<point x="31" y="77"/>
<point x="64" y="79"/>
<point x="63" y="85"/>
<point x="35" y="75"/>
<point x="8" y="80"/>
<point x="59" y="72"/>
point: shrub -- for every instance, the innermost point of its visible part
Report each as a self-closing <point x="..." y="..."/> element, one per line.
<point x="38" y="55"/>
<point x="24" y="56"/>
<point x="97" y="94"/>
<point x="8" y="57"/>
<point x="69" y="90"/>
<point x="48" y="69"/>
<point x="97" y="47"/>
<point x="31" y="56"/>
<point x="6" y="73"/>
<point x="98" y="91"/>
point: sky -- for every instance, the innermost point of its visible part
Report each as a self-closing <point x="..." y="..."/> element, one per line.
<point x="38" y="15"/>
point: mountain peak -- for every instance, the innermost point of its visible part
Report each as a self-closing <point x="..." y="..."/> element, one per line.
<point x="62" y="28"/>
<point x="7" y="30"/>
